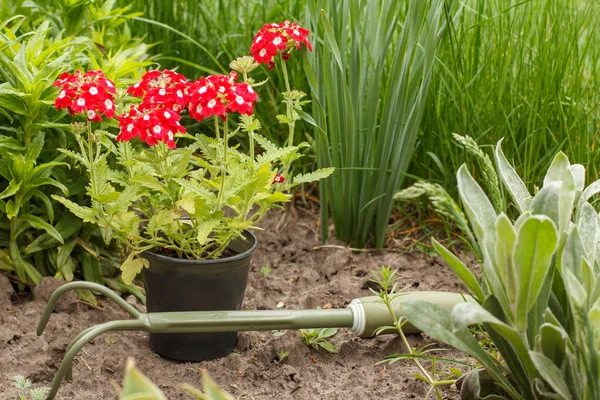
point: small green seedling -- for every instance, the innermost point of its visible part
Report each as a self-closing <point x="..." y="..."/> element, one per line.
<point x="26" y="392"/>
<point x="281" y="355"/>
<point x="317" y="338"/>
<point x="265" y="270"/>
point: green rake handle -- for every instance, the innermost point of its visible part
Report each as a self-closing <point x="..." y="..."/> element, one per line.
<point x="363" y="316"/>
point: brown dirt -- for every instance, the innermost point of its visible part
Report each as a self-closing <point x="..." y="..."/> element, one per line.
<point x="300" y="277"/>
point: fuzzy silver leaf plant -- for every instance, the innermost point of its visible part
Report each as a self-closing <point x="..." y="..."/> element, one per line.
<point x="539" y="293"/>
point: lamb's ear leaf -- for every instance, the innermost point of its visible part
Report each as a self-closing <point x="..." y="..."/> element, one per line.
<point x="513" y="183"/>
<point x="436" y="321"/>
<point x="136" y="385"/>
<point x="460" y="269"/>
<point x="475" y="384"/>
<point x="551" y="374"/>
<point x="479" y="209"/>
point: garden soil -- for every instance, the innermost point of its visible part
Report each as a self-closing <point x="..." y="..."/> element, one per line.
<point x="302" y="274"/>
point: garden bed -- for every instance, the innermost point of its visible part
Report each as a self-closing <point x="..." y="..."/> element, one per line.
<point x="301" y="276"/>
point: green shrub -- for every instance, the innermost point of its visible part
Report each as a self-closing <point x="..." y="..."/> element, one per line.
<point x="38" y="237"/>
<point x="539" y="294"/>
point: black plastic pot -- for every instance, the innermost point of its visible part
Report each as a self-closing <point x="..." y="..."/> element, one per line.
<point x="174" y="284"/>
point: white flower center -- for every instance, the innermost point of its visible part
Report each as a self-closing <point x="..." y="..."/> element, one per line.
<point x="109" y="84"/>
<point x="296" y="32"/>
<point x="146" y="117"/>
<point x="91" y="114"/>
<point x="93" y="91"/>
<point x="222" y="89"/>
<point x="258" y="39"/>
<point x="277" y="41"/>
<point x="170" y="135"/>
<point x="137" y="85"/>
<point x="62" y="94"/>
<point x="167" y="114"/>
<point x="239" y="100"/>
<point x="179" y="94"/>
<point x="108" y="104"/>
<point x="212" y="103"/>
<point x="157" y="129"/>
<point x="129" y="127"/>
<point x="250" y="90"/>
<point x="263" y="52"/>
<point x="198" y="108"/>
<point x="202" y="90"/>
<point x="162" y="92"/>
<point x="81" y="101"/>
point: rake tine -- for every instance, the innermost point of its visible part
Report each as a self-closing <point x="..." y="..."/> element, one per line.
<point x="83" y="285"/>
<point x="82" y="339"/>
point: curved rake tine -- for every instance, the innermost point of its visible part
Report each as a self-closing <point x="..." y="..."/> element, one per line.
<point x="69" y="372"/>
<point x="82" y="339"/>
<point x="83" y="285"/>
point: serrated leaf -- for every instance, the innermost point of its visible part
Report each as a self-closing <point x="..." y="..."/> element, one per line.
<point x="312" y="176"/>
<point x="131" y="267"/>
<point x="85" y="213"/>
<point x="204" y="229"/>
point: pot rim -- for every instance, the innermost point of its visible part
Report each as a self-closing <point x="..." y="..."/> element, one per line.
<point x="236" y="257"/>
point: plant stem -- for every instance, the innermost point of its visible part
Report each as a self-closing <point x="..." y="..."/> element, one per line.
<point x="224" y="163"/>
<point x="289" y="115"/>
<point x="217" y="135"/>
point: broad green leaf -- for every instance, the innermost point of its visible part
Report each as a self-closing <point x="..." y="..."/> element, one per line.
<point x="136" y="386"/>
<point x="587" y="224"/>
<point x="551" y="374"/>
<point x="459" y="269"/>
<point x="547" y="202"/>
<point x="513" y="183"/>
<point x="38" y="223"/>
<point x="211" y="390"/>
<point x="572" y="253"/>
<point x="560" y="171"/>
<point x="578" y="172"/>
<point x="436" y="321"/>
<point x="537" y="241"/>
<point x="478" y="208"/>
<point x="469" y="314"/>
<point x="12" y="209"/>
<point x="552" y="342"/>
<point x="506" y="239"/>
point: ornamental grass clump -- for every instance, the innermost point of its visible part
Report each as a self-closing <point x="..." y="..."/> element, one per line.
<point x="154" y="186"/>
<point x="539" y="295"/>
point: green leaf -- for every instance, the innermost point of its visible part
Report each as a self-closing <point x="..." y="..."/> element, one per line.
<point x="12" y="209"/>
<point x="459" y="269"/>
<point x="11" y="189"/>
<point x="38" y="223"/>
<point x="211" y="390"/>
<point x="537" y="241"/>
<point x="478" y="208"/>
<point x="319" y="174"/>
<point x="204" y="229"/>
<point x="85" y="213"/>
<point x="551" y="374"/>
<point x="136" y="386"/>
<point x="436" y="321"/>
<point x="131" y="267"/>
<point x="506" y="238"/>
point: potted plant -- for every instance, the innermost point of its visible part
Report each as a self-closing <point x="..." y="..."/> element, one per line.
<point x="182" y="206"/>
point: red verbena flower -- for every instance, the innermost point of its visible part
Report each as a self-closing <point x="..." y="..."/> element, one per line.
<point x="278" y="179"/>
<point x="91" y="94"/>
<point x="219" y="95"/>
<point x="164" y="87"/>
<point x="282" y="38"/>
<point x="150" y="125"/>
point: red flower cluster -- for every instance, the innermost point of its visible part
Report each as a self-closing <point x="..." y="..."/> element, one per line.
<point x="219" y="95"/>
<point x="151" y="125"/>
<point x="278" y="179"/>
<point x="91" y="94"/>
<point x="165" y="88"/>
<point x="282" y="37"/>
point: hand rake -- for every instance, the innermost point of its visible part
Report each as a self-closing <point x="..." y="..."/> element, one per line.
<point x="362" y="316"/>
